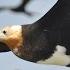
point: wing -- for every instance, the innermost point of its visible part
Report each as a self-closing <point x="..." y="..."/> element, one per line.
<point x="58" y="16"/>
<point x="51" y="28"/>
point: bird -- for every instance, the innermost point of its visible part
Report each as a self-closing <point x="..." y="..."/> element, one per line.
<point x="46" y="41"/>
<point x="21" y="7"/>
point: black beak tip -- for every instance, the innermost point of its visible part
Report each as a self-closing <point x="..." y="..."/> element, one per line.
<point x="4" y="47"/>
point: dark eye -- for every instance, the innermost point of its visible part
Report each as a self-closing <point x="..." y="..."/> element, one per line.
<point x="4" y="32"/>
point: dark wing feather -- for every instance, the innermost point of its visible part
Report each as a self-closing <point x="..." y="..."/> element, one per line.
<point x="52" y="29"/>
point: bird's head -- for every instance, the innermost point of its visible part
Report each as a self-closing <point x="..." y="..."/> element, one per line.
<point x="12" y="37"/>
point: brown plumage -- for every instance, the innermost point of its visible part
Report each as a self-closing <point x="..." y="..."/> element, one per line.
<point x="45" y="41"/>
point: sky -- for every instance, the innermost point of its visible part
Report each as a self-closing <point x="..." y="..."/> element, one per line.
<point x="8" y="61"/>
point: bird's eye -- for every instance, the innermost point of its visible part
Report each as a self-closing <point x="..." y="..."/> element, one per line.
<point x="4" y="32"/>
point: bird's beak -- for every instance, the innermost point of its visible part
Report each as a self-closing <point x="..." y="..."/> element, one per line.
<point x="4" y="47"/>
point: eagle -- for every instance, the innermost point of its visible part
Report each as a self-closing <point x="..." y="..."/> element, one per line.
<point x="46" y="41"/>
<point x="21" y="8"/>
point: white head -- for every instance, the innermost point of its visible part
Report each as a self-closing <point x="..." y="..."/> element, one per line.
<point x="12" y="36"/>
